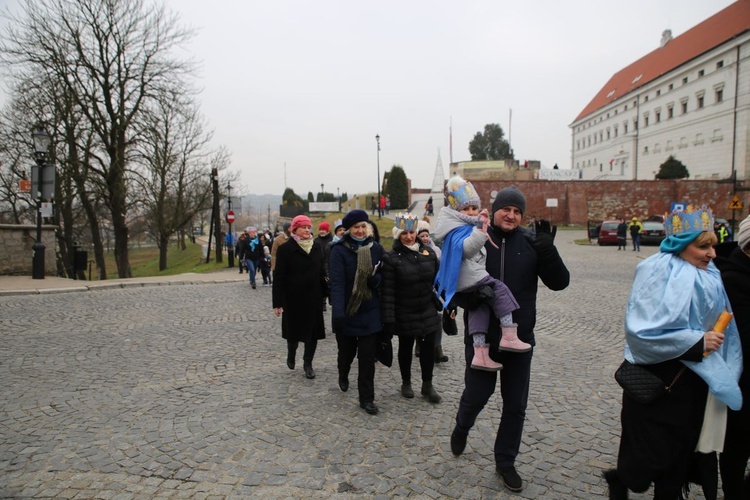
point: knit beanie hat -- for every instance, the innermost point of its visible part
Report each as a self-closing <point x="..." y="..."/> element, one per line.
<point x="423" y="226"/>
<point x="324" y="226"/>
<point x="461" y="194"/>
<point x="743" y="233"/>
<point x="300" y="221"/>
<point x="354" y="217"/>
<point x="509" y="197"/>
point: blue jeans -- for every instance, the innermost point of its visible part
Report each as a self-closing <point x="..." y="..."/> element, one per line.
<point x="252" y="268"/>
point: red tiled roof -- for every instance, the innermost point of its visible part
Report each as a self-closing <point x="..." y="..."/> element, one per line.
<point x="711" y="33"/>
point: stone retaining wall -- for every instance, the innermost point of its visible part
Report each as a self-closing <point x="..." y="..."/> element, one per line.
<point x="16" y="254"/>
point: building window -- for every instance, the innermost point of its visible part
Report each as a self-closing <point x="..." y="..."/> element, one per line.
<point x="684" y="105"/>
<point x="595" y="138"/>
<point x="657" y="148"/>
<point x="671" y="86"/>
<point x="635" y="124"/>
<point x="657" y="116"/>
<point x="698" y="139"/>
<point x="669" y="146"/>
<point x="626" y="107"/>
<point x="684" y="80"/>
<point x="719" y="64"/>
<point x="645" y="151"/>
<point x="700" y="101"/>
<point x="701" y="73"/>
<point x="601" y="167"/>
<point x="615" y="131"/>
<point x="645" y="98"/>
<point x="717" y="135"/>
<point x="719" y="95"/>
<point x="607" y="134"/>
<point x="658" y="93"/>
<point x="683" y="143"/>
<point x="645" y="121"/>
<point x="670" y="112"/>
<point x="625" y="128"/>
<point x="601" y="136"/>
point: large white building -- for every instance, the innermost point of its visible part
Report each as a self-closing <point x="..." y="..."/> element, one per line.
<point x="689" y="98"/>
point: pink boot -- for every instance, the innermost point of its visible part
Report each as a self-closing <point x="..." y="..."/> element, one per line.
<point x="510" y="341"/>
<point x="482" y="360"/>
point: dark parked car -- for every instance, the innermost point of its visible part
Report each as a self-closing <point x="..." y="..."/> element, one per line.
<point x="652" y="233"/>
<point x="608" y="232"/>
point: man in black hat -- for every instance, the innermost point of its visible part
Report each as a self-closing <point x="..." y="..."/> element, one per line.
<point x="518" y="258"/>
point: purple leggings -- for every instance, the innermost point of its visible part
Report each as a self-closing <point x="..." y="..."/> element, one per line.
<point x="503" y="303"/>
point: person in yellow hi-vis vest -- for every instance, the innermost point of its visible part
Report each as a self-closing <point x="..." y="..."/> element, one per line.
<point x="635" y="227"/>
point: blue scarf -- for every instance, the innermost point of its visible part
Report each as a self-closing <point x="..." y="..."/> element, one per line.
<point x="671" y="306"/>
<point x="450" y="262"/>
<point x="253" y="243"/>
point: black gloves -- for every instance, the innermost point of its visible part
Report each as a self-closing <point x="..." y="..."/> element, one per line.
<point x="339" y="326"/>
<point x="389" y="330"/>
<point x="544" y="241"/>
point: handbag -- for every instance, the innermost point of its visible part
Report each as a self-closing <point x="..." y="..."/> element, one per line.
<point x="384" y="352"/>
<point x="641" y="384"/>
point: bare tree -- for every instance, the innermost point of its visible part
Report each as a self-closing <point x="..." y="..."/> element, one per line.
<point x="176" y="154"/>
<point x="113" y="56"/>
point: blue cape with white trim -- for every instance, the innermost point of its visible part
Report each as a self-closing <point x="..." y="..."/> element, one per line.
<point x="450" y="262"/>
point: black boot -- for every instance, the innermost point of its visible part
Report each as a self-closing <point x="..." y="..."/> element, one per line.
<point x="440" y="357"/>
<point x="429" y="392"/>
<point x="291" y="353"/>
<point x="617" y="490"/>
<point x="307" y="366"/>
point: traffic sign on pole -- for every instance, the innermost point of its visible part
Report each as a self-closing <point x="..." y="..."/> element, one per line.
<point x="230" y="217"/>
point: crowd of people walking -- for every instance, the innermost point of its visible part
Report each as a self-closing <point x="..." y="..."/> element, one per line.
<point x="489" y="265"/>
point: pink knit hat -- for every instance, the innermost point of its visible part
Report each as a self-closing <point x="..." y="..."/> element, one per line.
<point x="299" y="221"/>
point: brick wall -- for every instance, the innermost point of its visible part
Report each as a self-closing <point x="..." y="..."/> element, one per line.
<point x="580" y="201"/>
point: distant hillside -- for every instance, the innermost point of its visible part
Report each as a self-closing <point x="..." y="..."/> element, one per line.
<point x="259" y="202"/>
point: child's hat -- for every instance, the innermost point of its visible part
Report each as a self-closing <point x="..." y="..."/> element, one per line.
<point x="461" y="194"/>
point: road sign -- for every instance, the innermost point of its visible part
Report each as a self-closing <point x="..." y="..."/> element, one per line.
<point x="735" y="204"/>
<point x="24" y="185"/>
<point x="230" y="217"/>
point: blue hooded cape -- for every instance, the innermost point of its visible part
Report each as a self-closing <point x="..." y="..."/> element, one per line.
<point x="672" y="304"/>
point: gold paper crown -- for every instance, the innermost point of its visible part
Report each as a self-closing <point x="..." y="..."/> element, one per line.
<point x="691" y="220"/>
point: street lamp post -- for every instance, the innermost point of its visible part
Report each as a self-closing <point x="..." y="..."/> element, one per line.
<point x="42" y="141"/>
<point x="230" y="235"/>
<point x="377" y="138"/>
<point x="322" y="190"/>
<point x="338" y="198"/>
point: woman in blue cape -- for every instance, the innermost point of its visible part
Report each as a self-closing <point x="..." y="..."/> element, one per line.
<point x="677" y="297"/>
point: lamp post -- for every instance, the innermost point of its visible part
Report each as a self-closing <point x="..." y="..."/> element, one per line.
<point x="230" y="235"/>
<point x="377" y="138"/>
<point x="322" y="190"/>
<point x="338" y="198"/>
<point x="42" y="141"/>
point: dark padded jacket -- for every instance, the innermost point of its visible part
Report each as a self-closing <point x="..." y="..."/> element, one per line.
<point x="517" y="264"/>
<point x="408" y="300"/>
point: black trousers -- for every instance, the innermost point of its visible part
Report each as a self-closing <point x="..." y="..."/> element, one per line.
<point x="310" y="347"/>
<point x="733" y="460"/>
<point x="363" y="347"/>
<point x="426" y="356"/>
<point x="514" y="389"/>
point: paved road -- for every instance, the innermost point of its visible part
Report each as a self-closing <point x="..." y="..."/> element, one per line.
<point x="183" y="391"/>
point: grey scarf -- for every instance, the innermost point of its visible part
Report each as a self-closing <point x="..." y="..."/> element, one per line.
<point x="361" y="291"/>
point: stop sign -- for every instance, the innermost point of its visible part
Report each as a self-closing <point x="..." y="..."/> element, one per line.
<point x="230" y="217"/>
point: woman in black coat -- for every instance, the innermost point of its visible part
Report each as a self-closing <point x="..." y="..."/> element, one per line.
<point x="409" y="304"/>
<point x="735" y="273"/>
<point x="299" y="288"/>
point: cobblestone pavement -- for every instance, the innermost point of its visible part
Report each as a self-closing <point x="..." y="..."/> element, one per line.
<point x="183" y="391"/>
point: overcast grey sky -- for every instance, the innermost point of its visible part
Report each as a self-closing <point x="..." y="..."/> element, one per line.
<point x="310" y="83"/>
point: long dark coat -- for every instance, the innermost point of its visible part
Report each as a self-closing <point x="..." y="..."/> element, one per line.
<point x="735" y="273"/>
<point x="299" y="286"/>
<point x="408" y="300"/>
